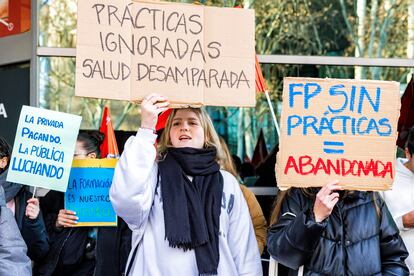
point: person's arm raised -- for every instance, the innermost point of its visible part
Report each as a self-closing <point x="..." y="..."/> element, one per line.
<point x="151" y="107"/>
<point x="294" y="237"/>
<point x="133" y="186"/>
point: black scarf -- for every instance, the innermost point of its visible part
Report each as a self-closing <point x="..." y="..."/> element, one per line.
<point x="192" y="208"/>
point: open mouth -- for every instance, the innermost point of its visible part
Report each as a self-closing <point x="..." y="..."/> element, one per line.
<point x="184" y="138"/>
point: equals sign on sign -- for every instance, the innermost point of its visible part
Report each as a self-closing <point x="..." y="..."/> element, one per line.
<point x="332" y="147"/>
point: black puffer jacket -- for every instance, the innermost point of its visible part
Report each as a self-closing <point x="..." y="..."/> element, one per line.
<point x="355" y="239"/>
<point x="67" y="254"/>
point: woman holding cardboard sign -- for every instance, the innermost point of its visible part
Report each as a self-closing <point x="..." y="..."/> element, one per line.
<point x="334" y="232"/>
<point x="188" y="217"/>
<point x="25" y="209"/>
<point x="82" y="250"/>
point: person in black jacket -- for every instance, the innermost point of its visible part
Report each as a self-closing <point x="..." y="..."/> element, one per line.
<point x="82" y="251"/>
<point x="335" y="232"/>
<point x="26" y="209"/>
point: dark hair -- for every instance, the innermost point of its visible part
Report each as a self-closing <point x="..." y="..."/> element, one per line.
<point x="5" y="151"/>
<point x="246" y="169"/>
<point x="410" y="141"/>
<point x="91" y="140"/>
<point x="237" y="162"/>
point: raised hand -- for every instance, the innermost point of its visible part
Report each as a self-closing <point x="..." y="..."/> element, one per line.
<point x="325" y="201"/>
<point x="151" y="106"/>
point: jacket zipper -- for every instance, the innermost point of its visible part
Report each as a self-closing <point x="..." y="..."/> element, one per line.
<point x="60" y="250"/>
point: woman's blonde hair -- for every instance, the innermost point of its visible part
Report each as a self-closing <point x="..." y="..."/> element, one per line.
<point x="227" y="163"/>
<point x="211" y="138"/>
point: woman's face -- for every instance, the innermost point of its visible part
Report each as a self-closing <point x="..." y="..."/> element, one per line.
<point x="3" y="163"/>
<point x="81" y="152"/>
<point x="186" y="130"/>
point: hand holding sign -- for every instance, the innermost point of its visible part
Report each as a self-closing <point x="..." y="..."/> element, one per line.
<point x="151" y="106"/>
<point x="32" y="208"/>
<point x="326" y="200"/>
<point x="66" y="218"/>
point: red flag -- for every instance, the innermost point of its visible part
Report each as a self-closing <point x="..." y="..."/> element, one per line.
<point x="261" y="87"/>
<point x="162" y="119"/>
<point x="406" y="114"/>
<point x="109" y="147"/>
<point x="260" y="151"/>
<point x="260" y="82"/>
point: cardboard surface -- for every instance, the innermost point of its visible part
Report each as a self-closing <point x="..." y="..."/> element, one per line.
<point x="43" y="148"/>
<point x="194" y="55"/>
<point x="88" y="192"/>
<point x="336" y="129"/>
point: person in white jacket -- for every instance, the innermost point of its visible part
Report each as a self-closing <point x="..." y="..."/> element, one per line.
<point x="400" y="199"/>
<point x="188" y="217"/>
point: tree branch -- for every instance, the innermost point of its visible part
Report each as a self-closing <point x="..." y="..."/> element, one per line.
<point x="348" y="25"/>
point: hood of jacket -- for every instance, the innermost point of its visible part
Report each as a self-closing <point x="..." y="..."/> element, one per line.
<point x="10" y="189"/>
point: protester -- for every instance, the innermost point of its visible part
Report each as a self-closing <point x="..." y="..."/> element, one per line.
<point x="13" y="258"/>
<point x="267" y="178"/>
<point x="400" y="199"/>
<point x="335" y="232"/>
<point x="256" y="213"/>
<point x="246" y="170"/>
<point x="82" y="250"/>
<point x="187" y="216"/>
<point x="25" y="209"/>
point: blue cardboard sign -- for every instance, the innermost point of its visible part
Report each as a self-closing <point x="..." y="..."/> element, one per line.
<point x="88" y="192"/>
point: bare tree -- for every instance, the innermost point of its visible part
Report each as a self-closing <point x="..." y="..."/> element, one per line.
<point x="359" y="51"/>
<point x="410" y="32"/>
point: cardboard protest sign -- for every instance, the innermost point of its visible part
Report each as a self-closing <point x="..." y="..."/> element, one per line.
<point x="43" y="148"/>
<point x="338" y="129"/>
<point x="88" y="192"/>
<point x="194" y="55"/>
